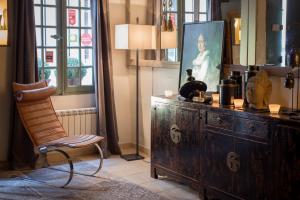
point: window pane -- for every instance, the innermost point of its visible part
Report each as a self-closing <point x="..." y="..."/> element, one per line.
<point x="86" y="18"/>
<point x="174" y="5"/>
<point x="189" y="17"/>
<point x="50" y="57"/>
<point x="174" y="19"/>
<point x="73" y="77"/>
<point x="87" y="76"/>
<point x="172" y="55"/>
<point x="86" y="37"/>
<point x="41" y="75"/>
<point x="73" y="58"/>
<point x="52" y="75"/>
<point x="203" y="5"/>
<point x="50" y="2"/>
<point x="73" y="38"/>
<point x="37" y="13"/>
<point x="48" y="40"/>
<point x="85" y="3"/>
<point x="39" y="57"/>
<point x="73" y="3"/>
<point x="37" y="1"/>
<point x="87" y="57"/>
<point x="189" y="5"/>
<point x="203" y="18"/>
<point x="49" y="16"/>
<point x="38" y="33"/>
<point x="72" y="17"/>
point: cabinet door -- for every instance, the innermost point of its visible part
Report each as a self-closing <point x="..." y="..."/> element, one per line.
<point x="286" y="172"/>
<point x="252" y="179"/>
<point x="236" y="167"/>
<point x="175" y="139"/>
<point x="215" y="172"/>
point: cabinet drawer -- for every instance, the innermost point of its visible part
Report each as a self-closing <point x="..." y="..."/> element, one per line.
<point x="220" y="120"/>
<point x="251" y="128"/>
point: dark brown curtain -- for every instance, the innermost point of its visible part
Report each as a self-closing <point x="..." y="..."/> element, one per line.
<point x="24" y="70"/>
<point x="216" y="13"/>
<point x="107" y="120"/>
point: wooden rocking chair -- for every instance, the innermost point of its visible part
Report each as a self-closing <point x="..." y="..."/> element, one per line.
<point x="43" y="127"/>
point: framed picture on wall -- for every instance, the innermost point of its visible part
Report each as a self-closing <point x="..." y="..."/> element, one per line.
<point x="202" y="51"/>
<point x="3" y="22"/>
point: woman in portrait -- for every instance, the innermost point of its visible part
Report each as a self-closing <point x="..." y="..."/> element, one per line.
<point x="204" y="68"/>
<point x="201" y="62"/>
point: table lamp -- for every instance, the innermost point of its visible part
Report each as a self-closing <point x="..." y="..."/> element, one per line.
<point x="135" y="37"/>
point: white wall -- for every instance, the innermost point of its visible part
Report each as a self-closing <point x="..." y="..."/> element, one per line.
<point x="124" y="85"/>
<point x="282" y="95"/>
<point x="73" y="101"/>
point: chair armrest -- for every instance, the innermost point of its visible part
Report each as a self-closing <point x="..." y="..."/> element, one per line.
<point x="35" y="94"/>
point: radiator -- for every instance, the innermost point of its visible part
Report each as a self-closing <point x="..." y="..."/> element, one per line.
<point x="78" y="121"/>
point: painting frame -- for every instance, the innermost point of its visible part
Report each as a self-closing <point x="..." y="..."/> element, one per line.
<point x="204" y="29"/>
<point x="4" y="23"/>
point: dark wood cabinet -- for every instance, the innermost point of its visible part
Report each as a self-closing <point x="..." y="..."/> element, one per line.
<point x="176" y="140"/>
<point x="226" y="153"/>
<point x="286" y="163"/>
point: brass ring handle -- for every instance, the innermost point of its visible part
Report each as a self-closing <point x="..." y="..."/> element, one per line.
<point x="233" y="161"/>
<point x="175" y="134"/>
<point x="251" y="127"/>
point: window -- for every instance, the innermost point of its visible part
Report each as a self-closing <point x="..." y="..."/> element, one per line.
<point x="184" y="11"/>
<point x="64" y="44"/>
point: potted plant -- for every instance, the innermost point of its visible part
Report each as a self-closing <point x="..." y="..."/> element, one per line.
<point x="41" y="70"/>
<point x="73" y="71"/>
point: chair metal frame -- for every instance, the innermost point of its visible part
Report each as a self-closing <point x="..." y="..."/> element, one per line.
<point x="45" y="150"/>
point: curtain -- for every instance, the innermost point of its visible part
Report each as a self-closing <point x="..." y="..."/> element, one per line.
<point x="216" y="13"/>
<point x="24" y="70"/>
<point x="107" y="120"/>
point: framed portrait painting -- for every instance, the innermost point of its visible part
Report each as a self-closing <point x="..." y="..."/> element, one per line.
<point x="3" y="22"/>
<point x="202" y="51"/>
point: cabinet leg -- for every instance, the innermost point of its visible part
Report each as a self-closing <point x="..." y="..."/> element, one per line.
<point x="202" y="194"/>
<point x="153" y="173"/>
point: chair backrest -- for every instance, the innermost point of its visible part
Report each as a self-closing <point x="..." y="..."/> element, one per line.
<point x="37" y="113"/>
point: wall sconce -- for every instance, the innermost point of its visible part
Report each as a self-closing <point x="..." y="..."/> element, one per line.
<point x="237" y="31"/>
<point x="3" y="23"/>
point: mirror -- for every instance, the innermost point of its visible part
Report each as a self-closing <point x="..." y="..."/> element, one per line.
<point x="278" y="31"/>
<point x="231" y="14"/>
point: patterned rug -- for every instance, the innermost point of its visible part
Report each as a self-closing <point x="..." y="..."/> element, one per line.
<point x="38" y="184"/>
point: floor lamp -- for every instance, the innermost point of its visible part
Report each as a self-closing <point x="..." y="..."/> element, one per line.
<point x="135" y="37"/>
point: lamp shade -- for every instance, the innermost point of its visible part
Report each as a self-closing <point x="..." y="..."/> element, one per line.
<point x="135" y="36"/>
<point x="169" y="39"/>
